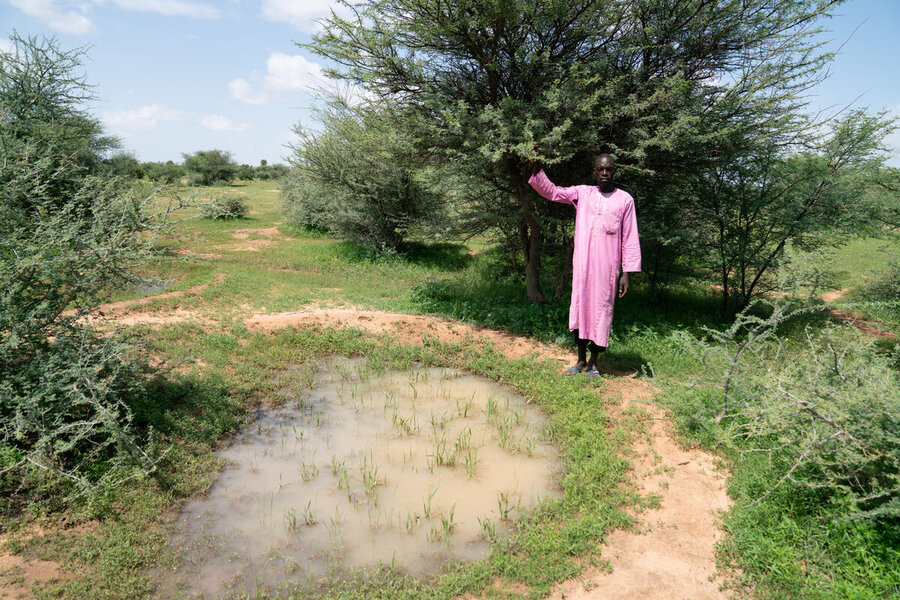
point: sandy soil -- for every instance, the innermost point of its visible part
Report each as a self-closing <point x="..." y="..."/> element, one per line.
<point x="669" y="555"/>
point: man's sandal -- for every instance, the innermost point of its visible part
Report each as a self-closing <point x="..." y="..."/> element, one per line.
<point x="573" y="370"/>
<point x="593" y="372"/>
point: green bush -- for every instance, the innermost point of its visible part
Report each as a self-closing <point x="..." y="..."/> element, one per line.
<point x="67" y="236"/>
<point x="885" y="291"/>
<point x="210" y="167"/>
<point x="304" y="202"/>
<point x="167" y="172"/>
<point x="826" y="414"/>
<point x="362" y="178"/>
<point x="225" y="206"/>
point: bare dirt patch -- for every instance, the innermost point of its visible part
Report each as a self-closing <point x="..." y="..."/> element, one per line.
<point x="671" y="552"/>
<point x="268" y="232"/>
<point x="408" y="329"/>
<point x="834" y="295"/>
<point x="124" y="309"/>
<point x="251" y="245"/>
<point x="18" y="574"/>
<point x="864" y="325"/>
<point x="186" y="252"/>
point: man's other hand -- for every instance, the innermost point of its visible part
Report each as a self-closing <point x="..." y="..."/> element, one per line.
<point x="623" y="284"/>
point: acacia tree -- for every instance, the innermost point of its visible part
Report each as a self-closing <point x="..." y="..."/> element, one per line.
<point x="753" y="207"/>
<point x="359" y="177"/>
<point x="207" y="167"/>
<point x="67" y="237"/>
<point x="495" y="83"/>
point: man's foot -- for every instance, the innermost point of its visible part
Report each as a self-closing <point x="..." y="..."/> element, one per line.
<point x="575" y="369"/>
<point x="592" y="372"/>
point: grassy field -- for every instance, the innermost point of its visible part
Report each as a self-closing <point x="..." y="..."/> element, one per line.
<point x="227" y="271"/>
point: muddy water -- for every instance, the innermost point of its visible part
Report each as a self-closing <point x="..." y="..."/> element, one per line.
<point x="409" y="469"/>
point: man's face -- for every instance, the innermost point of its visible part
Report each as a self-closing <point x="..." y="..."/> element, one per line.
<point x="604" y="170"/>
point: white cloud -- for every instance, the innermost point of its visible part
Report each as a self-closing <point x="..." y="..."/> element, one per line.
<point x="892" y="141"/>
<point x="57" y="17"/>
<point x="287" y="73"/>
<point x="6" y="45"/>
<point x="284" y="73"/>
<point x="303" y="14"/>
<point x="220" y="123"/>
<point x="73" y="16"/>
<point x="243" y="91"/>
<point x="140" y="119"/>
<point x="178" y="8"/>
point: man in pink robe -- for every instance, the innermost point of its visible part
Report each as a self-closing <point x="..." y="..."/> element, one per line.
<point x="606" y="250"/>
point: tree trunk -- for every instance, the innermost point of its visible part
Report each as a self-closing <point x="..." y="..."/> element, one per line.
<point x="532" y="235"/>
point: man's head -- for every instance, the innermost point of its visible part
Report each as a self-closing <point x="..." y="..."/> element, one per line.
<point x="605" y="171"/>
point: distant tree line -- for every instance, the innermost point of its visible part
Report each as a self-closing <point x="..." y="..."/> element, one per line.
<point x="702" y="104"/>
<point x="204" y="167"/>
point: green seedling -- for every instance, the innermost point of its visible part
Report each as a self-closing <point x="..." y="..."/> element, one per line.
<point x="412" y="521"/>
<point x="309" y="470"/>
<point x="504" y="508"/>
<point x="471" y="461"/>
<point x="308" y="517"/>
<point x="426" y="505"/>
<point x="490" y="408"/>
<point x="370" y="479"/>
<point x="290" y="520"/>
<point x="488" y="528"/>
<point x="447" y="524"/>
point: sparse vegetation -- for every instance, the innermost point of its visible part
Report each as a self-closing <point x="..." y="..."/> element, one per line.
<point x="224" y="206"/>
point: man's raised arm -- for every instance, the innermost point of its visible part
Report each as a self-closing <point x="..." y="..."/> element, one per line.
<point x="543" y="186"/>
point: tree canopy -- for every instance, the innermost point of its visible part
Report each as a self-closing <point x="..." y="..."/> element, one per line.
<point x="676" y="91"/>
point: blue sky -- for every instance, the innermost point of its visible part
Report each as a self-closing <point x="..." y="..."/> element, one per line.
<point x="176" y="76"/>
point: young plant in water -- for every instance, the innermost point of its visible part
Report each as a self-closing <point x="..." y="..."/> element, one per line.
<point x="308" y="517"/>
<point x="447" y="524"/>
<point x="426" y="505"/>
<point x="412" y="521"/>
<point x="488" y="528"/>
<point x="491" y="408"/>
<point x="290" y="520"/>
<point x="443" y="456"/>
<point x="471" y="461"/>
<point x="369" y="472"/>
<point x="503" y="507"/>
<point x="309" y="470"/>
<point x="463" y="409"/>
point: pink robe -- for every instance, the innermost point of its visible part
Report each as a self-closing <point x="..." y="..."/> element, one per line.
<point x="606" y="236"/>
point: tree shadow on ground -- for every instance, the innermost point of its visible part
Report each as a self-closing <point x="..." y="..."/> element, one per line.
<point x="443" y="256"/>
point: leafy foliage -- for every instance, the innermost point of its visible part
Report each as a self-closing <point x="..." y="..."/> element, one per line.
<point x="358" y="178"/>
<point x="225" y="206"/>
<point x="677" y="92"/>
<point x="66" y="236"/>
<point x="167" y="172"/>
<point x="209" y="167"/>
<point x="826" y="414"/>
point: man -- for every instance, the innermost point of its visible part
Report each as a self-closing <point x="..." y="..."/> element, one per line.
<point x="606" y="251"/>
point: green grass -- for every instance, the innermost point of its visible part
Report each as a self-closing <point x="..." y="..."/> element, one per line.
<point x="779" y="546"/>
<point x="859" y="261"/>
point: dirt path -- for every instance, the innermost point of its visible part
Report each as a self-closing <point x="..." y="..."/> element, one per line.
<point x="669" y="555"/>
<point x="864" y="325"/>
